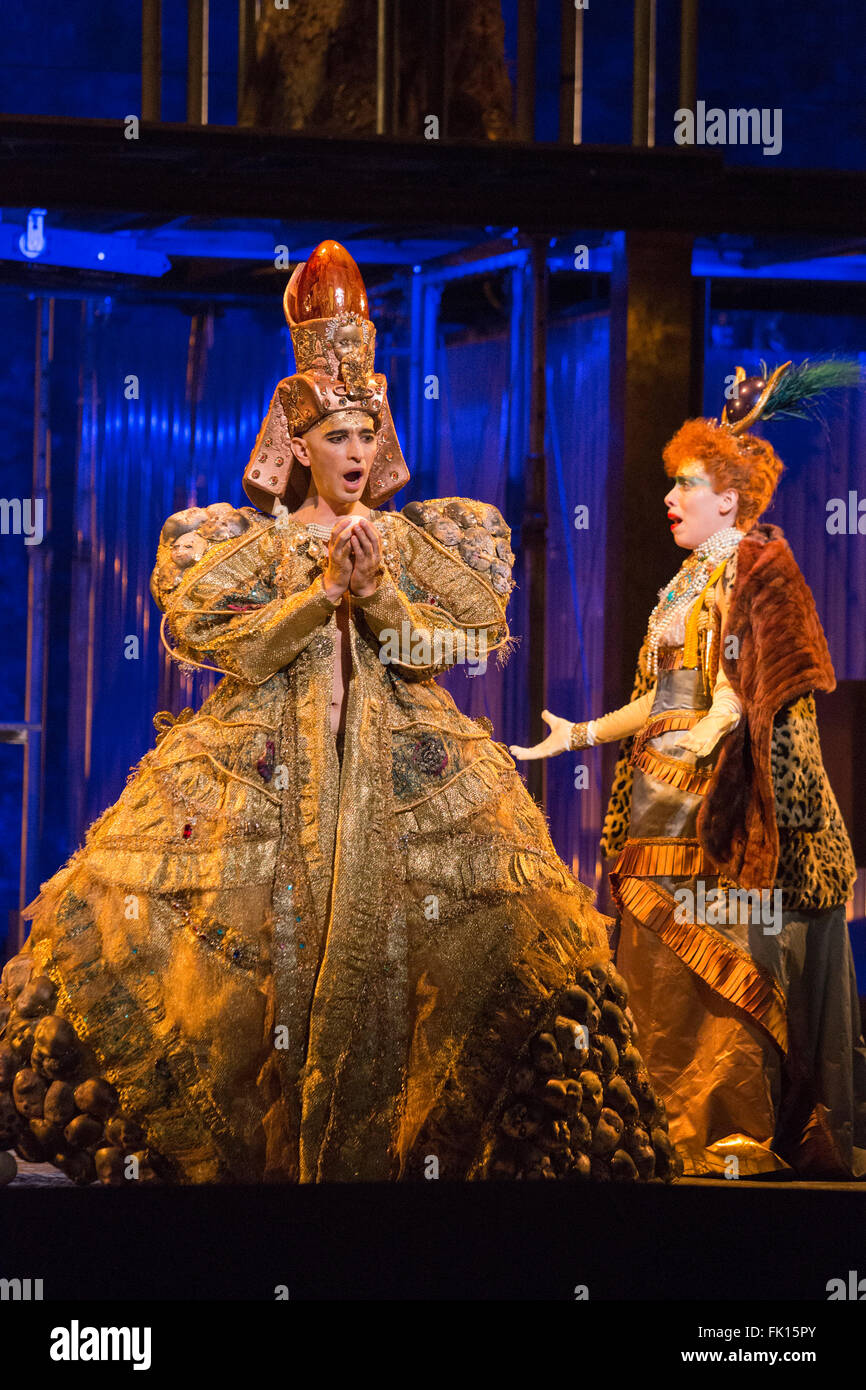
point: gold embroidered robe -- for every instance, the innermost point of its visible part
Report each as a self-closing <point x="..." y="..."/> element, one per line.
<point x="298" y="969"/>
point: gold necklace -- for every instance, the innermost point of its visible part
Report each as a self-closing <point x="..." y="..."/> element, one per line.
<point x="676" y="598"/>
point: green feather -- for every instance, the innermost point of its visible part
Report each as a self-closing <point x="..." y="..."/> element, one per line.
<point x="800" y="388"/>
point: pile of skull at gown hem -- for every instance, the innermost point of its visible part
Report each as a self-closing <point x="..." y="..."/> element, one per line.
<point x="578" y="1104"/>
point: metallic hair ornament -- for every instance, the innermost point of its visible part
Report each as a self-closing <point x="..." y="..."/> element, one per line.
<point x="787" y="391"/>
<point x="326" y="308"/>
<point x="750" y="399"/>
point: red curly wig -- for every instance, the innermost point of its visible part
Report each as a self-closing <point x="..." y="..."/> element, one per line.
<point x="740" y="461"/>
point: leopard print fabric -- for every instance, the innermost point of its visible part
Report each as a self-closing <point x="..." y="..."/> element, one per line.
<point x="618" y="814"/>
<point x="816" y="869"/>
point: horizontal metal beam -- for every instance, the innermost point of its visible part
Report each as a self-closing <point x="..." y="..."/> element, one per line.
<point x="18" y="733"/>
<point x="243" y="173"/>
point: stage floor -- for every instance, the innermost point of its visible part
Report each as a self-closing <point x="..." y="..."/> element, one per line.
<point x="695" y="1240"/>
<point x="46" y="1175"/>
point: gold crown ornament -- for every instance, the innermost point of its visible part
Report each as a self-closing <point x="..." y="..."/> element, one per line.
<point x="334" y="341"/>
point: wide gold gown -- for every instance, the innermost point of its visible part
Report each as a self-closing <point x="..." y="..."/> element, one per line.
<point x="297" y="967"/>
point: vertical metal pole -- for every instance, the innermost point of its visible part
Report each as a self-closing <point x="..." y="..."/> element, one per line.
<point x="82" y="603"/>
<point x="381" y="66"/>
<point x="151" y="60"/>
<point x="198" y="27"/>
<point x="566" y="71"/>
<point x="388" y="66"/>
<point x="525" y="119"/>
<point x="571" y="75"/>
<point x="246" y="47"/>
<point x="515" y="488"/>
<point x="38" y="580"/>
<point x="394" y="49"/>
<point x="641" y="74"/>
<point x="577" y="132"/>
<point x="516" y="358"/>
<point x="431" y="410"/>
<point x="437" y="62"/>
<point x="534" y="533"/>
<point x="651" y="79"/>
<point x="417" y="304"/>
<point x="688" y="54"/>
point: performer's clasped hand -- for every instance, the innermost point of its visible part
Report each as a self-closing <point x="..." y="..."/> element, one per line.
<point x="354" y="558"/>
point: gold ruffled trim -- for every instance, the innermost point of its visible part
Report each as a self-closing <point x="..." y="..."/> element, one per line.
<point x="492" y="866"/>
<point x="493" y="870"/>
<point x="440" y="727"/>
<point x="724" y="967"/>
<point x="663" y="858"/>
<point x="165" y="722"/>
<point x="672" y="771"/>
<point x="175" y="865"/>
<point x="664" y="724"/>
<point x="151" y="769"/>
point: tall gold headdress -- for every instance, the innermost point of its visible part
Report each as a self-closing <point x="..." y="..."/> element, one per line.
<point x="326" y="308"/>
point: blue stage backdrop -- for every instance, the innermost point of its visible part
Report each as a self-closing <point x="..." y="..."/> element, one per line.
<point x="157" y="410"/>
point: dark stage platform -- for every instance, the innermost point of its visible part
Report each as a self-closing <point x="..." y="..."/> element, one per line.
<point x="701" y="1240"/>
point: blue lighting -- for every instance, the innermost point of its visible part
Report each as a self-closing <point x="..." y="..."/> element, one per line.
<point x="32" y="238"/>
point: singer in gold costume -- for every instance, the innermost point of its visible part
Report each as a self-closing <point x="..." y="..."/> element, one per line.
<point x="324" y="935"/>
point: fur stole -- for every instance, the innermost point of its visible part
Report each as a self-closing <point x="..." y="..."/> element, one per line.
<point x="783" y="654"/>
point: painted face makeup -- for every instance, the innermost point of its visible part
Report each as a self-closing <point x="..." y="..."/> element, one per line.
<point x="695" y="511"/>
<point x="340" y="453"/>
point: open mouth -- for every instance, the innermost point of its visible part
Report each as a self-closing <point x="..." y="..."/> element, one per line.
<point x="353" y="478"/>
<point x="674" y="518"/>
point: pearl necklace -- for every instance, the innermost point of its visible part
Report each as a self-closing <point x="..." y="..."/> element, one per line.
<point x="320" y="536"/>
<point x="676" y="598"/>
<point x="323" y="532"/>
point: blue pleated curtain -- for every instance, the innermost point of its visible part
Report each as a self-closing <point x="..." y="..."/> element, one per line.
<point x="140" y="459"/>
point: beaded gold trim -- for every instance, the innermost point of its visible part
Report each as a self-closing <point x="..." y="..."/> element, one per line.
<point x="578" y="737"/>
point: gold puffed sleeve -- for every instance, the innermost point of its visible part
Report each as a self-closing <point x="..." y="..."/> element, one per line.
<point x="229" y="614"/>
<point x="432" y="607"/>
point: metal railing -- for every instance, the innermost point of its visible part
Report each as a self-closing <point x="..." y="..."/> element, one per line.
<point x="388" y="63"/>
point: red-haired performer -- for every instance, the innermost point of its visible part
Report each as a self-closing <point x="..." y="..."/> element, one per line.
<point x="734" y="865"/>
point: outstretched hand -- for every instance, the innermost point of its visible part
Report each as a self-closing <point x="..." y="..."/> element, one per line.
<point x="557" y="740"/>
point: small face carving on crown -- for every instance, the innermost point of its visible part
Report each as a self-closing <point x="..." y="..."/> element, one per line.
<point x="350" y="347"/>
<point x="327" y="344"/>
<point x="348" y="340"/>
